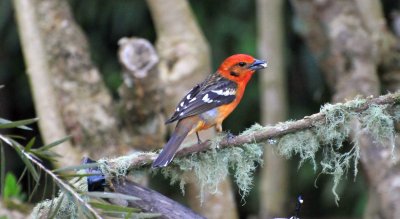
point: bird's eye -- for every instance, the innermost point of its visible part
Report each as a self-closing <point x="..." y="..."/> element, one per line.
<point x="241" y="64"/>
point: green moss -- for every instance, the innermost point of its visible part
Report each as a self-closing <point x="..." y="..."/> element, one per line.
<point x="330" y="134"/>
<point x="303" y="143"/>
<point x="121" y="165"/>
<point x="212" y="167"/>
<point x="336" y="127"/>
<point x="396" y="113"/>
<point x="326" y="137"/>
<point x="68" y="207"/>
<point x="376" y="121"/>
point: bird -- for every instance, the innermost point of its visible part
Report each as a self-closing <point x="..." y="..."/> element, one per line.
<point x="207" y="104"/>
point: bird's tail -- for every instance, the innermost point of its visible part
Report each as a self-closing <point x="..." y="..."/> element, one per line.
<point x="167" y="154"/>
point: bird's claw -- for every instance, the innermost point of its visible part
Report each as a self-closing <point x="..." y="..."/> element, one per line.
<point x="229" y="137"/>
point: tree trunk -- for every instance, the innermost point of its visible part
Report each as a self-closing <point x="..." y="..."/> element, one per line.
<point x="353" y="33"/>
<point x="39" y="71"/>
<point x="70" y="95"/>
<point x="274" y="184"/>
<point x="141" y="94"/>
<point x="184" y="62"/>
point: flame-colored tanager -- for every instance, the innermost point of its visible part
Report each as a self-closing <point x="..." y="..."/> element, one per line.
<point x="210" y="102"/>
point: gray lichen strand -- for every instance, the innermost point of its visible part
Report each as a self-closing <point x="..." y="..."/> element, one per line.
<point x="328" y="133"/>
<point x="69" y="208"/>
<point x="211" y="168"/>
<point x="333" y="132"/>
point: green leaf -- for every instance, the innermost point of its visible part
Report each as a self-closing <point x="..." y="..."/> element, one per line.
<point x="6" y="124"/>
<point x="5" y="139"/>
<point x="35" y="188"/>
<point x="110" y="207"/>
<point x="112" y="195"/>
<point x="11" y="188"/>
<point x="24" y="157"/>
<point x="2" y="167"/>
<point x="53" y="144"/>
<point x="16" y="137"/>
<point x="47" y="155"/>
<point x="30" y="144"/>
<point x="22" y="175"/>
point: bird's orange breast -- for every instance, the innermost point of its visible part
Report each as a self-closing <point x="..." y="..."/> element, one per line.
<point x="216" y="116"/>
<point x="227" y="109"/>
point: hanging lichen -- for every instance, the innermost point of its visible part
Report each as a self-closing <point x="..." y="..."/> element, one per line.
<point x="210" y="168"/>
<point x="66" y="204"/>
<point x="327" y="137"/>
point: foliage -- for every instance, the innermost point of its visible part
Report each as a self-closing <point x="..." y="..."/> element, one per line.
<point x="12" y="189"/>
<point x="106" y="22"/>
<point x="73" y="200"/>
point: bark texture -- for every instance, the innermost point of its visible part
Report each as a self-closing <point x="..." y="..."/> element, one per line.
<point x="141" y="94"/>
<point x="70" y="95"/>
<point x="38" y="70"/>
<point x="168" y="208"/>
<point x="220" y="204"/>
<point x="83" y="100"/>
<point x="184" y="62"/>
<point x="356" y="41"/>
<point x="273" y="105"/>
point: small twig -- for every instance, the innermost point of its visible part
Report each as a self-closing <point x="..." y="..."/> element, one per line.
<point x="62" y="184"/>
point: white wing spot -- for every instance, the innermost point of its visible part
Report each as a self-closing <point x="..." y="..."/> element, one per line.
<point x="206" y="99"/>
<point x="188" y="96"/>
<point x="228" y="92"/>
<point x="181" y="114"/>
<point x="177" y="109"/>
<point x="182" y="103"/>
<point x="192" y="100"/>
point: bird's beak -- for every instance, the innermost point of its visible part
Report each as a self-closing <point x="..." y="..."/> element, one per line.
<point x="258" y="64"/>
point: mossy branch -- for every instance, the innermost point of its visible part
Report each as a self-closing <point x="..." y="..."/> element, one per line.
<point x="325" y="131"/>
<point x="263" y="134"/>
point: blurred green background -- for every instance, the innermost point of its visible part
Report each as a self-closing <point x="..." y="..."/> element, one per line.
<point x="230" y="27"/>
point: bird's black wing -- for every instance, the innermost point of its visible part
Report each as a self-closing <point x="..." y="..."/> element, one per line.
<point x="213" y="92"/>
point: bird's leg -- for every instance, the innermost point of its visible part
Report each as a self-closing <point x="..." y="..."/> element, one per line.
<point x="198" y="138"/>
<point x="218" y="127"/>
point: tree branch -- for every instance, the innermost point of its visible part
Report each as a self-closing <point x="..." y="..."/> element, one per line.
<point x="184" y="61"/>
<point x="152" y="201"/>
<point x="266" y="133"/>
<point x="351" y="42"/>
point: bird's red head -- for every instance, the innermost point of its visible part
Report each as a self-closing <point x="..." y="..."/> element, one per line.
<point x="240" y="67"/>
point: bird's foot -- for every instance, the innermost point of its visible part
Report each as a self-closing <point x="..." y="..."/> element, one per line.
<point x="229" y="137"/>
